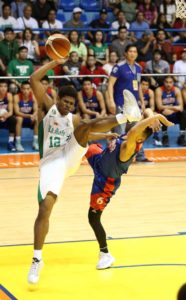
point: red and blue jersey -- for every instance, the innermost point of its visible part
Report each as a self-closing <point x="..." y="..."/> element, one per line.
<point x="128" y="77"/>
<point x="91" y="102"/>
<point x="169" y="97"/>
<point x="4" y="102"/>
<point x="26" y="106"/>
<point x="146" y="99"/>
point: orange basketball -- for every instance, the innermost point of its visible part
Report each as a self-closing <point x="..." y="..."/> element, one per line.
<point x="57" y="46"/>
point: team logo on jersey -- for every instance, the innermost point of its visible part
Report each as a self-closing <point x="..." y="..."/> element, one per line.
<point x="115" y="69"/>
<point x="53" y="111"/>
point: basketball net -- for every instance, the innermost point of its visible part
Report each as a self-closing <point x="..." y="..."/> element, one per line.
<point x="181" y="9"/>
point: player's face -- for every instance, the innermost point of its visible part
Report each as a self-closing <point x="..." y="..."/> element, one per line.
<point x="87" y="86"/>
<point x="3" y="88"/>
<point x="144" y="85"/>
<point x="168" y="83"/>
<point x="25" y="89"/>
<point x="131" y="54"/>
<point x="65" y="105"/>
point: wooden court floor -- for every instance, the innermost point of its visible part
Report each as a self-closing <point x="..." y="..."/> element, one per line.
<point x="145" y="224"/>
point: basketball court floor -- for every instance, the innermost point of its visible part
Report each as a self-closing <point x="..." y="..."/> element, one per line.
<point x="145" y="224"/>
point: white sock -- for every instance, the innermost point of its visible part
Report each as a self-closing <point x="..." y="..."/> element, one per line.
<point x="11" y="139"/>
<point x="18" y="139"/>
<point x="35" y="137"/>
<point x="38" y="254"/>
<point x="121" y="118"/>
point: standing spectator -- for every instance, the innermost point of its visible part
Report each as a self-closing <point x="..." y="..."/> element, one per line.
<point x="91" y="69"/>
<point x="149" y="11"/>
<point x="120" y="21"/>
<point x="8" y="46"/>
<point x="31" y="44"/>
<point x="91" y="101"/>
<point x="129" y="9"/>
<point x="6" y="20"/>
<point x="157" y="65"/>
<point x="119" y="45"/>
<point x="20" y="66"/>
<point x="163" y="44"/>
<point x="99" y="48"/>
<point x="77" y="45"/>
<point x="140" y="25"/>
<point x="41" y="10"/>
<point x="72" y="67"/>
<point x="27" y="21"/>
<point x="168" y="7"/>
<point x="75" y="22"/>
<point x="99" y="23"/>
<point x="145" y="46"/>
<point x="170" y="103"/>
<point x="180" y="67"/>
<point x="113" y="59"/>
<point x="7" y="119"/>
<point x="25" y="107"/>
<point x="52" y="23"/>
<point x="17" y="8"/>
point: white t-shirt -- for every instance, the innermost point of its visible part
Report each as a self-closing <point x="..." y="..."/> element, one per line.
<point x="31" y="50"/>
<point x="10" y="22"/>
<point x="108" y="68"/>
<point x="171" y="10"/>
<point x="115" y="25"/>
<point x="28" y="23"/>
<point x="180" y="67"/>
<point x="57" y="25"/>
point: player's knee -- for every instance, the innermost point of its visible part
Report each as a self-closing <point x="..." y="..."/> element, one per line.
<point x="94" y="216"/>
<point x="19" y="120"/>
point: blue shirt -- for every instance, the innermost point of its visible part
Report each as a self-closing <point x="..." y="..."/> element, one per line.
<point x="139" y="26"/>
<point x="128" y="77"/>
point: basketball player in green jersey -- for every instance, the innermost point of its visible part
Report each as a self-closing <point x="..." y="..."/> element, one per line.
<point x="63" y="141"/>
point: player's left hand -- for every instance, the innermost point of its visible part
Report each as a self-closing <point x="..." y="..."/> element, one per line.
<point x="111" y="136"/>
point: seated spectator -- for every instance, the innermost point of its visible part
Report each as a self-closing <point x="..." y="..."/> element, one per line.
<point x="90" y="101"/>
<point x="180" y="67"/>
<point x="129" y="8"/>
<point x="77" y="45"/>
<point x="27" y="21"/>
<point x="181" y="38"/>
<point x="157" y="65"/>
<point x="8" y="46"/>
<point x="145" y="46"/>
<point x="168" y="7"/>
<point x="120" y="21"/>
<point x="140" y="25"/>
<point x="161" y="23"/>
<point x="119" y="45"/>
<point x="17" y="8"/>
<point x="41" y="10"/>
<point x="6" y="20"/>
<point x="31" y="44"/>
<point x="7" y="119"/>
<point x="99" y="48"/>
<point x="99" y="23"/>
<point x="25" y="107"/>
<point x="170" y="104"/>
<point x="75" y="21"/>
<point x="91" y="69"/>
<point x="113" y="59"/>
<point x="20" y="66"/>
<point x="72" y="67"/>
<point x="149" y="11"/>
<point x="52" y="23"/>
<point x="49" y="90"/>
<point x="163" y="44"/>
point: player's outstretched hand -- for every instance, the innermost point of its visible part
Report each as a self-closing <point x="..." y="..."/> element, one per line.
<point x="111" y="136"/>
<point x="164" y="120"/>
<point x="61" y="61"/>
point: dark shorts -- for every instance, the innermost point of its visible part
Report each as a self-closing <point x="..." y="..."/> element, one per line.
<point x="27" y="123"/>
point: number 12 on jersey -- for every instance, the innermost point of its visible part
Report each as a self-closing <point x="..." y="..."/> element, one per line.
<point x="54" y="141"/>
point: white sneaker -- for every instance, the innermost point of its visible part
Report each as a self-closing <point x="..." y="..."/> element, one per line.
<point x="33" y="275"/>
<point x="35" y="145"/>
<point x="105" y="261"/>
<point x="157" y="143"/>
<point x="19" y="147"/>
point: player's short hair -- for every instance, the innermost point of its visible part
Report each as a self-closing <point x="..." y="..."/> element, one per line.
<point x="67" y="91"/>
<point x="87" y="79"/>
<point x="25" y="82"/>
<point x="22" y="48"/>
<point x="3" y="81"/>
<point x="146" y="79"/>
<point x="130" y="46"/>
<point x="45" y="78"/>
<point x="8" y="29"/>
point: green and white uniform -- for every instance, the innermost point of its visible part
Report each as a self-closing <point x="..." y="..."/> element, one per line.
<point x="60" y="153"/>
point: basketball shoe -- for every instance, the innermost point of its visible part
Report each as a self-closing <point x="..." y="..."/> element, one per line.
<point x="36" y="266"/>
<point x="105" y="261"/>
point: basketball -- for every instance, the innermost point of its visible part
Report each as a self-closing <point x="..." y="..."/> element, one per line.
<point x="57" y="46"/>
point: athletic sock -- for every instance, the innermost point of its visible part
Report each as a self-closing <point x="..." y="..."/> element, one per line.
<point x="35" y="137"/>
<point x="18" y="139"/>
<point x="38" y="254"/>
<point x="11" y="139"/>
<point x="104" y="249"/>
<point x="182" y="132"/>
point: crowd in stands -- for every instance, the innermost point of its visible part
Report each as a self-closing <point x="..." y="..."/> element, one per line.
<point x="96" y="47"/>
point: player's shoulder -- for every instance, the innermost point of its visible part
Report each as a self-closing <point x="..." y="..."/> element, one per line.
<point x="138" y="65"/>
<point x="122" y="63"/>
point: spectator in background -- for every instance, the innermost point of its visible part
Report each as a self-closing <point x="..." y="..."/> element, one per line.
<point x="91" y="69"/>
<point x="25" y="107"/>
<point x="90" y="101"/>
<point x="31" y="44"/>
<point x="27" y="21"/>
<point x="75" y="22"/>
<point x="145" y="46"/>
<point x="77" y="45"/>
<point x="184" y="95"/>
<point x="49" y="90"/>
<point x="20" y="66"/>
<point x="7" y="119"/>
<point x="129" y="8"/>
<point x="170" y="104"/>
<point x="41" y="10"/>
<point x="99" y="23"/>
<point x="52" y="23"/>
<point x="8" y="46"/>
<point x="6" y="20"/>
<point x="164" y="45"/>
<point x="99" y="48"/>
<point x="180" y="68"/>
<point x="113" y="59"/>
<point x="72" y="67"/>
<point x="44" y="60"/>
<point x="120" y="21"/>
<point x="161" y="23"/>
<point x="119" y="45"/>
<point x="149" y="11"/>
<point x="17" y="8"/>
<point x="157" y="65"/>
<point x="2" y="68"/>
<point x="168" y="7"/>
<point x="140" y="25"/>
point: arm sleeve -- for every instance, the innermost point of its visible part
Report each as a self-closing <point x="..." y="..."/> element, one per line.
<point x="115" y="71"/>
